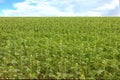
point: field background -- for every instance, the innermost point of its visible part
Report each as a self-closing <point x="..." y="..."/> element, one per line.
<point x="60" y="47"/>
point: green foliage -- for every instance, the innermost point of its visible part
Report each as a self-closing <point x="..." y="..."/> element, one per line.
<point x="60" y="48"/>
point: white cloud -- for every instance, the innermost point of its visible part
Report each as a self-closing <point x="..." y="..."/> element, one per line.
<point x="113" y="9"/>
<point x="108" y="6"/>
<point x="27" y="8"/>
<point x="109" y="9"/>
<point x="58" y="8"/>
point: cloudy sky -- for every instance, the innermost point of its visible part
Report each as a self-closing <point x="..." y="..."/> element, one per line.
<point x="59" y="8"/>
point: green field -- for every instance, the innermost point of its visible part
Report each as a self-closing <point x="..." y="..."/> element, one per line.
<point x="60" y="48"/>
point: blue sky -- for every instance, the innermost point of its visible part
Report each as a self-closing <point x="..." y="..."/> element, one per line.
<point x="59" y="8"/>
